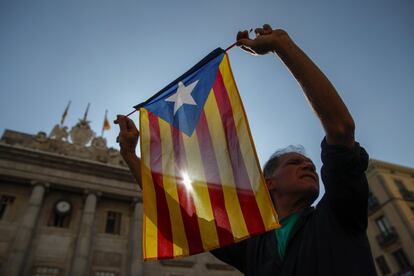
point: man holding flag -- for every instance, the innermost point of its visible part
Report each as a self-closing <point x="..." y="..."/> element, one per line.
<point x="329" y="239"/>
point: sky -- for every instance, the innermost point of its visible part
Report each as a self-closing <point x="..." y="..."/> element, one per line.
<point x="116" y="54"/>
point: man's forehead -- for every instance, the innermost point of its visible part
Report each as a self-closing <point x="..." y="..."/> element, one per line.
<point x="294" y="155"/>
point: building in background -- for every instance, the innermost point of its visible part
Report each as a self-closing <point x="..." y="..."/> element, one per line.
<point x="69" y="206"/>
<point x="391" y="217"/>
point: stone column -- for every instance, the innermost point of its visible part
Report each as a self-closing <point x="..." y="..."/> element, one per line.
<point x="137" y="264"/>
<point x="24" y="235"/>
<point x="81" y="258"/>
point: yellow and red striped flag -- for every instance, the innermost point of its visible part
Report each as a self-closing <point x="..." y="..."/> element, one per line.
<point x="202" y="183"/>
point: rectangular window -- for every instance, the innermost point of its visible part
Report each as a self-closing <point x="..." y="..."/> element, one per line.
<point x="382" y="265"/>
<point x="401" y="259"/>
<point x="373" y="202"/>
<point x="46" y="271"/>
<point x="405" y="193"/>
<point x="383" y="225"/>
<point x="5" y="201"/>
<point x="60" y="220"/>
<point x="400" y="184"/>
<point x="113" y="223"/>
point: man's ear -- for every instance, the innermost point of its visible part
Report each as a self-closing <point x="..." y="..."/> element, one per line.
<point x="271" y="183"/>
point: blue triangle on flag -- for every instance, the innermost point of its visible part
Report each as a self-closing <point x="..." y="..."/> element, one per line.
<point x="186" y="116"/>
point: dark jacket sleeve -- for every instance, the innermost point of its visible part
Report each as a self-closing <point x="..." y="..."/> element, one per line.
<point x="346" y="186"/>
<point x="234" y="255"/>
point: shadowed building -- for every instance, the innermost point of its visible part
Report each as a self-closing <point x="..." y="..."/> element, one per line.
<point x="69" y="206"/>
<point x="391" y="217"/>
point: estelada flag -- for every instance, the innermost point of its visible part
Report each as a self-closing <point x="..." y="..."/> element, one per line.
<point x="202" y="183"/>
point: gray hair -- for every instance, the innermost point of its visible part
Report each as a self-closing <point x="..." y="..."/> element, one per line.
<point x="272" y="163"/>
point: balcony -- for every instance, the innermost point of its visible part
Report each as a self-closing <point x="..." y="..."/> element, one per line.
<point x="387" y="238"/>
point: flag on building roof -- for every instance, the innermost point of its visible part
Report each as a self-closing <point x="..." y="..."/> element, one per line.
<point x="202" y="183"/>
<point x="106" y="125"/>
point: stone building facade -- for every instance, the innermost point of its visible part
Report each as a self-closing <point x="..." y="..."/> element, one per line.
<point x="391" y="217"/>
<point x="69" y="206"/>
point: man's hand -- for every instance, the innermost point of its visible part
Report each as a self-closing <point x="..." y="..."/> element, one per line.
<point x="321" y="94"/>
<point x="128" y="136"/>
<point x="267" y="40"/>
<point x="128" y="139"/>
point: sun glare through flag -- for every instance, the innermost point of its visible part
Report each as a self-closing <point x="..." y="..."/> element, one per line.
<point x="201" y="179"/>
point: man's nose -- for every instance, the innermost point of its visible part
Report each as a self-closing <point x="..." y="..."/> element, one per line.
<point x="309" y="166"/>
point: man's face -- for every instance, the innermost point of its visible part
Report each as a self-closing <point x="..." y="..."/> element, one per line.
<point x="295" y="176"/>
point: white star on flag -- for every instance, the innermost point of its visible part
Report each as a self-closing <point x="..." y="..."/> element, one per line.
<point x="182" y="96"/>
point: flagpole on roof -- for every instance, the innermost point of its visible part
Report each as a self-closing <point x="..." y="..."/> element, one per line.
<point x="65" y="113"/>
<point x="85" y="116"/>
<point x="103" y="125"/>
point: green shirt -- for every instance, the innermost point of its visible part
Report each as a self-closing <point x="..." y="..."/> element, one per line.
<point x="282" y="234"/>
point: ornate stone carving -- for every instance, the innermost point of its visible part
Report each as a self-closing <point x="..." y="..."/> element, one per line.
<point x="41" y="137"/>
<point x="82" y="143"/>
<point x="59" y="133"/>
<point x="60" y="147"/>
<point x="80" y="151"/>
<point x="40" y="141"/>
<point x="99" y="143"/>
<point x="115" y="158"/>
<point x="81" y="133"/>
<point x="99" y="149"/>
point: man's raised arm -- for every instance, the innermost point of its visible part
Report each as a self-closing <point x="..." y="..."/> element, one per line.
<point x="325" y="101"/>
<point x="128" y="139"/>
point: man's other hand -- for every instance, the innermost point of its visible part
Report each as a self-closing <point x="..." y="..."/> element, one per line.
<point x="128" y="136"/>
<point x="267" y="40"/>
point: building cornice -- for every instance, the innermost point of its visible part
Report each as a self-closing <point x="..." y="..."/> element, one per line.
<point x="378" y="165"/>
<point x="66" y="163"/>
